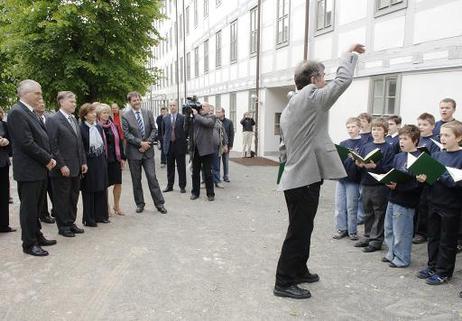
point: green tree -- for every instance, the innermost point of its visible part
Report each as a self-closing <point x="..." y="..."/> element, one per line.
<point x="98" y="49"/>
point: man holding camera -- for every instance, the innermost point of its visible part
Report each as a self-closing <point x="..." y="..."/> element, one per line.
<point x="310" y="157"/>
<point x="202" y="149"/>
<point x="140" y="132"/>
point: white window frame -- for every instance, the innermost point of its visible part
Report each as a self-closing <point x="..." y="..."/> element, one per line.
<point x="386" y="79"/>
<point x="233" y="38"/>
<point x="232" y="107"/>
<point x="282" y="19"/>
<point x="196" y="62"/>
<point x="206" y="8"/>
<point x="206" y="56"/>
<point x="196" y="15"/>
<point x="325" y="28"/>
<point x="253" y="31"/>
<point x="389" y="7"/>
<point x="218" y="49"/>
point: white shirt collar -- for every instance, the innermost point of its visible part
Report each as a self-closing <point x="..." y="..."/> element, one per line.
<point x="65" y="114"/>
<point x="27" y="105"/>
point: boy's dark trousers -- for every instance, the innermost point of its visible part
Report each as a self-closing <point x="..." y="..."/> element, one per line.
<point x="443" y="228"/>
<point x="375" y="205"/>
<point x="302" y="204"/>
<point x="420" y="220"/>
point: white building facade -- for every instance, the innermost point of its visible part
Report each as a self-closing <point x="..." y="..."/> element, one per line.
<point x="413" y="59"/>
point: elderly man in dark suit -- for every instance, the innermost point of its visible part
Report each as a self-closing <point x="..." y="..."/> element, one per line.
<point x="67" y="149"/>
<point x="310" y="157"/>
<point x="140" y="132"/>
<point x="175" y="147"/>
<point x="202" y="150"/>
<point x="32" y="159"/>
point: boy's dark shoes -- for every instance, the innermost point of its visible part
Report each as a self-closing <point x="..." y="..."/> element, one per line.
<point x="292" y="291"/>
<point x="340" y="235"/>
<point x="363" y="243"/>
<point x="308" y="278"/>
<point x="419" y="239"/>
<point x="370" y="249"/>
<point x="354" y="237"/>
<point x="425" y="273"/>
<point x="435" y="279"/>
<point x="385" y="260"/>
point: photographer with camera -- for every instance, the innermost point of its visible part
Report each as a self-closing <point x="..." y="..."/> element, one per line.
<point x="199" y="125"/>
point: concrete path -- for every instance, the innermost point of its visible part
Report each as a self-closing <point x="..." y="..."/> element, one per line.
<point x="210" y="261"/>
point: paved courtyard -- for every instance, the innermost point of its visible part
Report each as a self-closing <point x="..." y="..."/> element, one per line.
<point x="210" y="261"/>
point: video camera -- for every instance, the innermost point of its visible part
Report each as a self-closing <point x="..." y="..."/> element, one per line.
<point x="189" y="104"/>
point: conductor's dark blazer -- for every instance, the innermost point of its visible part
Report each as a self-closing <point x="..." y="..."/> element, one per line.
<point x="30" y="143"/>
<point x="180" y="135"/>
<point x="66" y="145"/>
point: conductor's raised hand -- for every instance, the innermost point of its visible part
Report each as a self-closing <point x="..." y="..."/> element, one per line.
<point x="358" y="48"/>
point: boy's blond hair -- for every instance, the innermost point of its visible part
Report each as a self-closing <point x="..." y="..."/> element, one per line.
<point x="455" y="126"/>
<point x="353" y="120"/>
<point x="380" y="122"/>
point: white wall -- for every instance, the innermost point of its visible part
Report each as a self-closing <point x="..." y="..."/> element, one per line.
<point x="423" y="92"/>
<point x="350" y="104"/>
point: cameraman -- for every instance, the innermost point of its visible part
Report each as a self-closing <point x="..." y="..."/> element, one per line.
<point x="202" y="149"/>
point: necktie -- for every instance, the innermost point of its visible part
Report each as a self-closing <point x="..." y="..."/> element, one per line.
<point x="173" y="137"/>
<point x="140" y="123"/>
<point x="71" y="121"/>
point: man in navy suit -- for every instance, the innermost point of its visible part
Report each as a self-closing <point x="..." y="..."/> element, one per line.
<point x="174" y="146"/>
<point x="32" y="159"/>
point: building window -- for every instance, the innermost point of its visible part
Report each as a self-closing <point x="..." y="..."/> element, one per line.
<point x="196" y="62"/>
<point x="206" y="99"/>
<point x="233" y="41"/>
<point x="253" y="31"/>
<point x="277" y="123"/>
<point x="186" y="20"/>
<point x="386" y="6"/>
<point x="252" y="101"/>
<point x="218" y="2"/>
<point x="188" y="66"/>
<point x="206" y="8"/>
<point x="218" y="49"/>
<point x="206" y="56"/>
<point x="324" y="16"/>
<point x="217" y="101"/>
<point x="282" y="32"/>
<point x="232" y="107"/>
<point x="384" y="95"/>
<point x="196" y="18"/>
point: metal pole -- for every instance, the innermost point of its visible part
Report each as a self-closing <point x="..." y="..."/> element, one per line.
<point x="184" y="51"/>
<point x="257" y="80"/>
<point x="177" y="65"/>
<point x="307" y="27"/>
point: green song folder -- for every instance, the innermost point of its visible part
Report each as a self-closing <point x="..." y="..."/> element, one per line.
<point x="343" y="152"/>
<point x="281" y="170"/>
<point x="392" y="176"/>
<point x="373" y="156"/>
<point x="424" y="164"/>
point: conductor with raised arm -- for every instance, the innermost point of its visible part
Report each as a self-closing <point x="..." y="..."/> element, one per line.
<point x="310" y="157"/>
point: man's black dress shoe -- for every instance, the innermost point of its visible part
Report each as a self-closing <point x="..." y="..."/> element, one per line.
<point x="48" y="219"/>
<point x="35" y="250"/>
<point x="7" y="229"/>
<point x="77" y="230"/>
<point x="193" y="197"/>
<point x="162" y="209"/>
<point x="211" y="198"/>
<point x="42" y="241"/>
<point x="104" y="221"/>
<point x="182" y="190"/>
<point x="140" y="209"/>
<point x="370" y="248"/>
<point x="167" y="189"/>
<point x="362" y="243"/>
<point x="308" y="278"/>
<point x="292" y="291"/>
<point x="66" y="233"/>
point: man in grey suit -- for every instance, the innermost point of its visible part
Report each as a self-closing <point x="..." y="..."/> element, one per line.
<point x="67" y="148"/>
<point x="140" y="132"/>
<point x="310" y="157"/>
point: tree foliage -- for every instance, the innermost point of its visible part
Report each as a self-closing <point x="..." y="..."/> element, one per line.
<point x="98" y="49"/>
